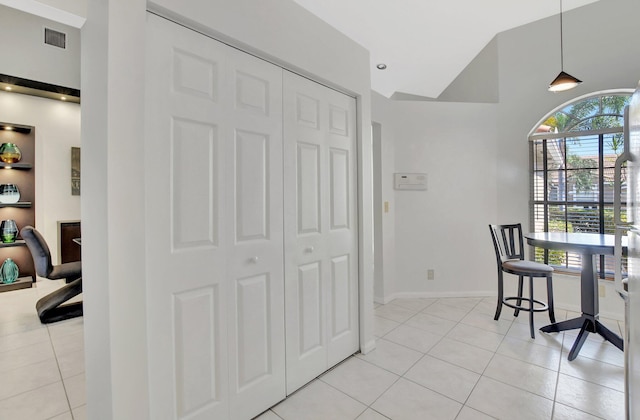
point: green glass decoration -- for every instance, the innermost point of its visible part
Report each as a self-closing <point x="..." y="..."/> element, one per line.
<point x="8" y="271"/>
<point x="10" y="153"/>
<point x="8" y="231"/>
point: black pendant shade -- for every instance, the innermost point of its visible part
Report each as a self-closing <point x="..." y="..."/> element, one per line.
<point x="564" y="81"/>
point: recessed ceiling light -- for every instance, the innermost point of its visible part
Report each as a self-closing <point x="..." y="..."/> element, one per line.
<point x="7" y="88"/>
<point x="8" y="128"/>
<point x="381" y="66"/>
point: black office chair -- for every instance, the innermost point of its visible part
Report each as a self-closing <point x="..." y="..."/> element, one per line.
<point x="51" y="308"/>
<point x="509" y="247"/>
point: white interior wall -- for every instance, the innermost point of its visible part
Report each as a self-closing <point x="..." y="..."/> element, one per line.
<point x="378" y="212"/>
<point x="113" y="209"/>
<point x="477" y="159"/>
<point x="384" y="167"/>
<point x="445" y="227"/>
<point x="73" y="7"/>
<point x="68" y="12"/>
<point x="57" y="128"/>
<point x="26" y="55"/>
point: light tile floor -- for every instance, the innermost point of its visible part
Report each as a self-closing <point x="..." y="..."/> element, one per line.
<point x="448" y="359"/>
<point x="435" y="359"/>
<point x="41" y="366"/>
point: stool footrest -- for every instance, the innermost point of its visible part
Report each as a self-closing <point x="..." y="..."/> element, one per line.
<point x="543" y="305"/>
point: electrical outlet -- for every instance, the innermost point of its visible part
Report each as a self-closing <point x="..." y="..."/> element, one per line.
<point x="602" y="290"/>
<point x="431" y="274"/>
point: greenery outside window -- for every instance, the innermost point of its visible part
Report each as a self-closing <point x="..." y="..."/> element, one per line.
<point x="573" y="154"/>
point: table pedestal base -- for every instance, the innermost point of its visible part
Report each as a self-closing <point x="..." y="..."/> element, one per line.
<point x="587" y="324"/>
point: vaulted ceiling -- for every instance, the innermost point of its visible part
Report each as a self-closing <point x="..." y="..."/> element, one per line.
<point x="426" y="44"/>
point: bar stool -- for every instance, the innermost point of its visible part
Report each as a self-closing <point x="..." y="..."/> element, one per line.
<point x="509" y="247"/>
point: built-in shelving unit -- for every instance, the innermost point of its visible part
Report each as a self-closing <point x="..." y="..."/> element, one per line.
<point x="21" y="174"/>
<point x="15" y="165"/>
<point x="18" y="242"/>
<point x="19" y="204"/>
<point x="21" y="283"/>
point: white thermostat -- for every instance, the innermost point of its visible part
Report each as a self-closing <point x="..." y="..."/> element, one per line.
<point x="407" y="181"/>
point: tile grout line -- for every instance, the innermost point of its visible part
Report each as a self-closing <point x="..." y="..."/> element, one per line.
<point x="513" y="322"/>
<point x="418" y="361"/>
<point x="555" y="393"/>
<point x="565" y="337"/>
<point x="367" y="406"/>
<point x="64" y="385"/>
<point x="482" y="375"/>
<point x="415" y="312"/>
<point x="459" y="322"/>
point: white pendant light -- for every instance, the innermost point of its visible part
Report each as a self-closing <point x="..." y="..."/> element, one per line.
<point x="563" y="81"/>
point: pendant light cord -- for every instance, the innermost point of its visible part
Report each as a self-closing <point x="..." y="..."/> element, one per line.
<point x="563" y="81"/>
<point x="561" y="46"/>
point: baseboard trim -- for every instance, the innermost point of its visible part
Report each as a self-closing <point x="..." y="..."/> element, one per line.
<point x="427" y="295"/>
<point x="618" y="316"/>
<point x="368" y="346"/>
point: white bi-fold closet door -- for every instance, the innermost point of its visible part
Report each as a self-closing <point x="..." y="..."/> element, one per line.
<point x="213" y="158"/>
<point x="321" y="257"/>
<point x="251" y="277"/>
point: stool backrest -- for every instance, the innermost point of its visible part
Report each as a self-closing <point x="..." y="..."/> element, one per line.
<point x="39" y="250"/>
<point x="508" y="242"/>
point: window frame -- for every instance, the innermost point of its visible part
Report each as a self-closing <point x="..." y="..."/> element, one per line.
<point x="535" y="137"/>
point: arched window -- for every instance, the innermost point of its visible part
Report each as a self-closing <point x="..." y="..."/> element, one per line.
<point x="573" y="152"/>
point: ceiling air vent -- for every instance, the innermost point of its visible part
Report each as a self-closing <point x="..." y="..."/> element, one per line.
<point x="55" y="38"/>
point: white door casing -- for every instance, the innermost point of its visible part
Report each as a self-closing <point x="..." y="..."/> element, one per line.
<point x="321" y="264"/>
<point x="215" y="287"/>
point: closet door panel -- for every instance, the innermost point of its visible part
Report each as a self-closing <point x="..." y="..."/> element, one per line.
<point x="252" y="186"/>
<point x="339" y="166"/>
<point x="254" y="332"/>
<point x="309" y="314"/>
<point x="215" y="228"/>
<point x="305" y="263"/>
<point x="186" y="298"/>
<point x="341" y="235"/>
<point x="320" y="229"/>
<point x="195" y="321"/>
<point x="341" y="297"/>
<point x="228" y="203"/>
<point x="309" y="197"/>
<point x="255" y="232"/>
<point x="194" y="206"/>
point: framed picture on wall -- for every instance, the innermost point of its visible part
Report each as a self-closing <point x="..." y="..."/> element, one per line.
<point x="75" y="171"/>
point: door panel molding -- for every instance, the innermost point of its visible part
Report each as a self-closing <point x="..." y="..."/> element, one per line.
<point x="320" y="197"/>
<point x="213" y="176"/>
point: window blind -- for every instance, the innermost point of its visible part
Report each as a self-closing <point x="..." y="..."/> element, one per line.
<point x="572" y="187"/>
